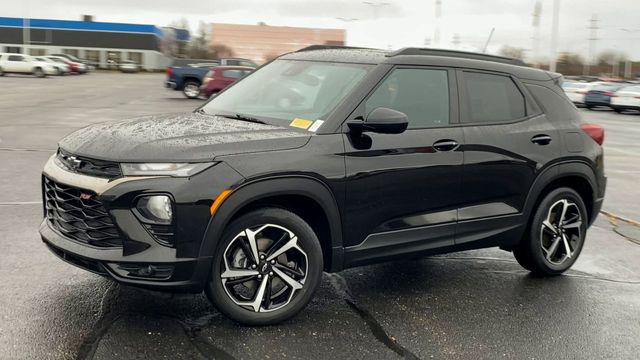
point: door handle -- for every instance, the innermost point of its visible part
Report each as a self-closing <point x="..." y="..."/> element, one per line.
<point x="445" y="145"/>
<point x="541" y="139"/>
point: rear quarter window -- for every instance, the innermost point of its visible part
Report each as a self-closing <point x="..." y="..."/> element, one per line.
<point x="556" y="106"/>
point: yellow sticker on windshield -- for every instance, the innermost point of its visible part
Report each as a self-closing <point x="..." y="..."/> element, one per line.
<point x="301" y="123"/>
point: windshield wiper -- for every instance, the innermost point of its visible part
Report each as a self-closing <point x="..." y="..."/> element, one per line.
<point x="241" y="117"/>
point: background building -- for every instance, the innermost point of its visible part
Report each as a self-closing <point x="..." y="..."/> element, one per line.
<point x="101" y="43"/>
<point x="262" y="42"/>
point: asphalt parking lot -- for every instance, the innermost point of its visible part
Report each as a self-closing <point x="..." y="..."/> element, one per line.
<point x="476" y="304"/>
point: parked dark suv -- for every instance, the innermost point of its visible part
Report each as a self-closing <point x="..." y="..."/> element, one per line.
<point x="324" y="159"/>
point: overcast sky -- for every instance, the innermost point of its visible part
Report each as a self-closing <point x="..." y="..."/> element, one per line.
<point x="400" y="23"/>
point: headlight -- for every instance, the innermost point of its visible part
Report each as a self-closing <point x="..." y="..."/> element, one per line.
<point x="164" y="169"/>
<point x="156" y="209"/>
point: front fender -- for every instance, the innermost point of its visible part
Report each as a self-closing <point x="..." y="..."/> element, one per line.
<point x="255" y="190"/>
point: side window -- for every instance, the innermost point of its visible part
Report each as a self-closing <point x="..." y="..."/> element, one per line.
<point x="15" y="58"/>
<point x="422" y="94"/>
<point x="492" y="98"/>
<point x="232" y="74"/>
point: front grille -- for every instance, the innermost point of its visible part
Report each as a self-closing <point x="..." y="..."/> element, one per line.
<point x="77" y="214"/>
<point x="87" y="166"/>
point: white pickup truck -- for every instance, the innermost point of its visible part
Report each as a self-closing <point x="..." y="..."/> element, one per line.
<point x="24" y="64"/>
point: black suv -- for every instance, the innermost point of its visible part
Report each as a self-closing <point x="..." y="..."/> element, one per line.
<point x="324" y="159"/>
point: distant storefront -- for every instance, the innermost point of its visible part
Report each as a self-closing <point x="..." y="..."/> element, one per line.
<point x="102" y="43"/>
<point x="263" y="42"/>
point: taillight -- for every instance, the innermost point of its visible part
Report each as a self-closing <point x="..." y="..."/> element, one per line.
<point x="607" y="93"/>
<point x="596" y="132"/>
<point x="169" y="71"/>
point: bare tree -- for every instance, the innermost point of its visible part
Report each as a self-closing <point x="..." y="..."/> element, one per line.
<point x="570" y="64"/>
<point x="512" y="52"/>
<point x="199" y="48"/>
<point x="611" y="57"/>
<point x="170" y="45"/>
<point x="221" y="51"/>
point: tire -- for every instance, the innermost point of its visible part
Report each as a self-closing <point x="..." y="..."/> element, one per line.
<point x="272" y="229"/>
<point x="619" y="111"/>
<point x="589" y="107"/>
<point x="191" y="89"/>
<point x="38" y="72"/>
<point x="541" y="250"/>
<point x="1" y="72"/>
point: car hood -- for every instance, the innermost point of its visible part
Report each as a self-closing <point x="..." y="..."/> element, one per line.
<point x="181" y="137"/>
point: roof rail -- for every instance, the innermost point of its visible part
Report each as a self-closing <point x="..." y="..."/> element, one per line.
<point x="331" y="47"/>
<point x="457" y="54"/>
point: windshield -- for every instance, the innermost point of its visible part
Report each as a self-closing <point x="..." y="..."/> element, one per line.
<point x="285" y="90"/>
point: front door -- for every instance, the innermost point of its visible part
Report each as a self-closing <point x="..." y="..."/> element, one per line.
<point x="402" y="190"/>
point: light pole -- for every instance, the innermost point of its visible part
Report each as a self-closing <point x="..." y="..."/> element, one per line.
<point x="25" y="28"/>
<point x="376" y="6"/>
<point x="554" y="35"/>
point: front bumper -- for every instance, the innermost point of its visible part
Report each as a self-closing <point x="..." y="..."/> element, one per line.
<point x="186" y="274"/>
<point x="141" y="258"/>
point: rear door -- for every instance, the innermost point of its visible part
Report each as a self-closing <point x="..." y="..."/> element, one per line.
<point x="508" y="142"/>
<point x="403" y="190"/>
<point x="229" y="76"/>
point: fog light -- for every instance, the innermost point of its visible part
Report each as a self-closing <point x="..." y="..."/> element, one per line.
<point x="156" y="209"/>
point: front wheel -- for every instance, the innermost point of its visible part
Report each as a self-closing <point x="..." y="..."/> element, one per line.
<point x="267" y="267"/>
<point x="191" y="89"/>
<point x="556" y="234"/>
<point x="37" y="72"/>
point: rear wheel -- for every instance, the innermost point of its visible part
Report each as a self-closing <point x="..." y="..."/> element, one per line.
<point x="191" y="89"/>
<point x="619" y="111"/>
<point x="267" y="267"/>
<point x="556" y="234"/>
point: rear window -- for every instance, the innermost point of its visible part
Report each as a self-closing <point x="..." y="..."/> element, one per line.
<point x="492" y="98"/>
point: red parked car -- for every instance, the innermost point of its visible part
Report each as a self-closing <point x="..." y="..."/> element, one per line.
<point x="220" y="77"/>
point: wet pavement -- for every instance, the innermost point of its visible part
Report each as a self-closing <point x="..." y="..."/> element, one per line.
<point x="476" y="304"/>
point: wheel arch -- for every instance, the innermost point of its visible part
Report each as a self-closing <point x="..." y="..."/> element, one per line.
<point x="308" y="197"/>
<point x="578" y="176"/>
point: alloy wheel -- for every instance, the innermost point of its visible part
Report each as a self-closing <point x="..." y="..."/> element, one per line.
<point x="192" y="90"/>
<point x="560" y="234"/>
<point x="263" y="268"/>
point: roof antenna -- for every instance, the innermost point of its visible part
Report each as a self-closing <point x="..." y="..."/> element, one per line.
<point x="484" y="51"/>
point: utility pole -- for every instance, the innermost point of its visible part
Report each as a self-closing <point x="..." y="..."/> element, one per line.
<point x="456" y="40"/>
<point x="537" y="10"/>
<point x="376" y="6"/>
<point x="436" y="32"/>
<point x="554" y="35"/>
<point x="593" y="36"/>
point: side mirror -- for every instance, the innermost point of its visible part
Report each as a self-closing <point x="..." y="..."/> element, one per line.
<point x="381" y="120"/>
